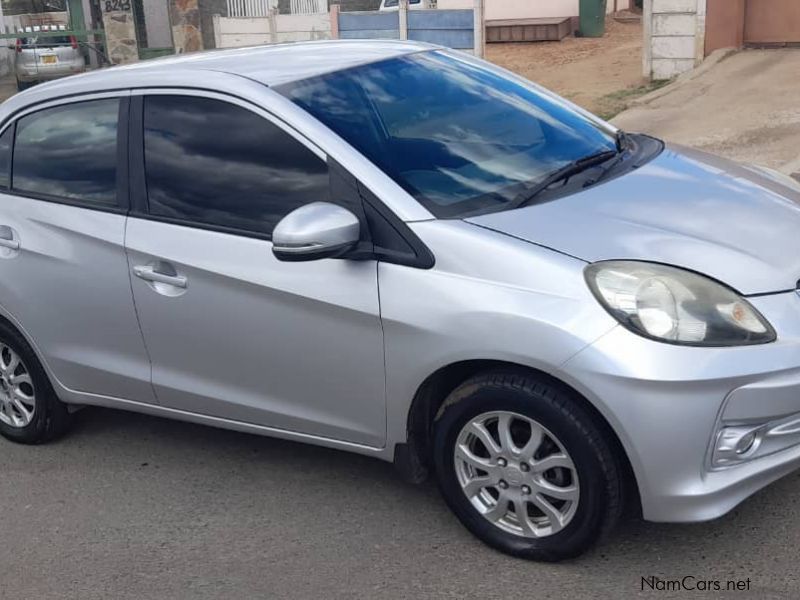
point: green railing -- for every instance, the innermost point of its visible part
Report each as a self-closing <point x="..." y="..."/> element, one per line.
<point x="78" y="33"/>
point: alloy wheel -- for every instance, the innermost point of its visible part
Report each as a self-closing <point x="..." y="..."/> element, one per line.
<point x="17" y="396"/>
<point x="516" y="474"/>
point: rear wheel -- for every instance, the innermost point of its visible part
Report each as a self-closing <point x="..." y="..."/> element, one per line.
<point x="525" y="468"/>
<point x="30" y="412"/>
<point x="22" y="85"/>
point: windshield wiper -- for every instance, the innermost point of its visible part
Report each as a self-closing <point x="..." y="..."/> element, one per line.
<point x="565" y="172"/>
<point x="623" y="144"/>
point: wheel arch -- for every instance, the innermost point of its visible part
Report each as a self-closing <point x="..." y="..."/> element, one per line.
<point x="413" y="459"/>
<point x="9" y="320"/>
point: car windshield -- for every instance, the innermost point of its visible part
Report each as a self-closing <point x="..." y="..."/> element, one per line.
<point x="457" y="135"/>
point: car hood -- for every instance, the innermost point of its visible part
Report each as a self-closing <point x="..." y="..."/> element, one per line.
<point x="737" y="224"/>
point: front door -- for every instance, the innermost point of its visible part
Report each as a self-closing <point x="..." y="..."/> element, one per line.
<point x="231" y="331"/>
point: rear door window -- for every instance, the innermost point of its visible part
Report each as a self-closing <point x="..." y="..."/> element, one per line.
<point x="69" y="152"/>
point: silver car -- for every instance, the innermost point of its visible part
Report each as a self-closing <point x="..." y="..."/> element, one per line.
<point x="41" y="56"/>
<point x="402" y="251"/>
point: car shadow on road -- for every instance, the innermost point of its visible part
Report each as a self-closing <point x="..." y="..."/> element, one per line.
<point x="209" y="453"/>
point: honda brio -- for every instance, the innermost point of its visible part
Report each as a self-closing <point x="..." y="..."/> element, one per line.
<point x="405" y="252"/>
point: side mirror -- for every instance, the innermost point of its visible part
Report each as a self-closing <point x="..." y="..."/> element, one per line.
<point x="314" y="231"/>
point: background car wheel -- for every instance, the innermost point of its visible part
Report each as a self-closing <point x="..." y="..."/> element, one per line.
<point x="30" y="412"/>
<point x="525" y="468"/>
<point x="22" y="85"/>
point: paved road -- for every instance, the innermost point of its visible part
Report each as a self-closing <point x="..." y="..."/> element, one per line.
<point x="129" y="506"/>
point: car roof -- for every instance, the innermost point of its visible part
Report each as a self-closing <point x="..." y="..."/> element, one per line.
<point x="269" y="65"/>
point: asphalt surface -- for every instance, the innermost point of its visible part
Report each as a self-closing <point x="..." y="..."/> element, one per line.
<point x="129" y="506"/>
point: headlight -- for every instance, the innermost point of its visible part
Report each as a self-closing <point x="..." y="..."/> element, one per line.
<point x="676" y="306"/>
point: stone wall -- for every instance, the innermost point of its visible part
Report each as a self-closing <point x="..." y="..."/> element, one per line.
<point x="120" y="31"/>
<point x="185" y="19"/>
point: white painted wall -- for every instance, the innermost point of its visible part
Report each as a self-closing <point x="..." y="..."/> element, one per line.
<point x="235" y="32"/>
<point x="301" y="28"/>
<point x="674" y="34"/>
<point x="529" y="9"/>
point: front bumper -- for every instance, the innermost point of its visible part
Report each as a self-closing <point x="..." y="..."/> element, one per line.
<point x="667" y="404"/>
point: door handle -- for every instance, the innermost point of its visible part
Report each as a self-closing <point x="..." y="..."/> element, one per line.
<point x="7" y="243"/>
<point x="7" y="238"/>
<point x="150" y="274"/>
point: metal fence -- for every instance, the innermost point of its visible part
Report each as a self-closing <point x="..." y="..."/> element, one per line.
<point x="249" y="8"/>
<point x="309" y="7"/>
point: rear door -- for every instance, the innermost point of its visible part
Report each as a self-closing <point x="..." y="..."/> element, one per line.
<point x="232" y="331"/>
<point x="63" y="269"/>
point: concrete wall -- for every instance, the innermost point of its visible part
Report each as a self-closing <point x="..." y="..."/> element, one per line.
<point x="370" y="25"/>
<point x="674" y="35"/>
<point x="209" y="8"/>
<point x="529" y="9"/>
<point x="451" y="28"/>
<point x="455" y="29"/>
<point x="234" y="32"/>
<point x="156" y="22"/>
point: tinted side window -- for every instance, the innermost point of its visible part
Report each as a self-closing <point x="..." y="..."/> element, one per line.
<point x="5" y="156"/>
<point x="69" y="152"/>
<point x="215" y="163"/>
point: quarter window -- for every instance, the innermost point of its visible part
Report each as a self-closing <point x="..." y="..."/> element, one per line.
<point x="69" y="152"/>
<point x="5" y="156"/>
<point x="215" y="163"/>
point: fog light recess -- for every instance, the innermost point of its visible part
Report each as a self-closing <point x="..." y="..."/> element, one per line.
<point x="736" y="444"/>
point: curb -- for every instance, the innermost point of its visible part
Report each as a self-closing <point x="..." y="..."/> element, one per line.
<point x="709" y="63"/>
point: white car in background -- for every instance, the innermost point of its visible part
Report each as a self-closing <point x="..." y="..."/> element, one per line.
<point x="41" y="55"/>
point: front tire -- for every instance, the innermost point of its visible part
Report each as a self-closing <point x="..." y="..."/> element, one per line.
<point x="525" y="467"/>
<point x="30" y="412"/>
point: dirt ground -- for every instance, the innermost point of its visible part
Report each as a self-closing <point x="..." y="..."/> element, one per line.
<point x="600" y="74"/>
<point x="745" y="107"/>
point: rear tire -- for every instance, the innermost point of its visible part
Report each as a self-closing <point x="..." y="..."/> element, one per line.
<point x="552" y="446"/>
<point x="22" y="85"/>
<point x="30" y="411"/>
